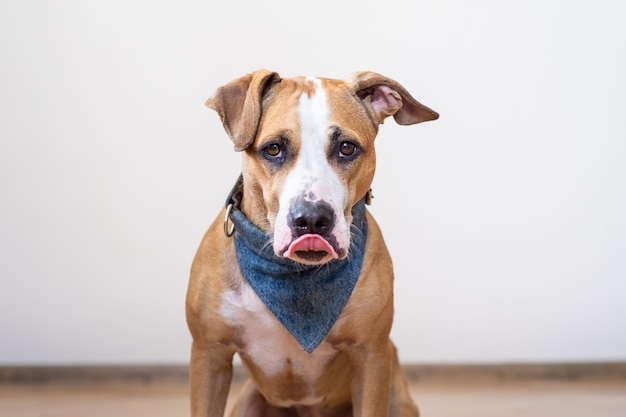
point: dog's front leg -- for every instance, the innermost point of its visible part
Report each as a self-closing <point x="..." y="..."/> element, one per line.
<point x="371" y="381"/>
<point x="211" y="372"/>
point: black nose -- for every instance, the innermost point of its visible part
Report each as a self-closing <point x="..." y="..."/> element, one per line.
<point x="315" y="218"/>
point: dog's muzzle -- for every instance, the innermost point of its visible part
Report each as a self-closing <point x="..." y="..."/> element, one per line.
<point x="312" y="224"/>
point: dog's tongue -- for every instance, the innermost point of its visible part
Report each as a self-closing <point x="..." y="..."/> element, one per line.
<point x="310" y="242"/>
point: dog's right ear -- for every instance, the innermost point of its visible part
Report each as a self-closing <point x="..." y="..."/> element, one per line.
<point x="239" y="104"/>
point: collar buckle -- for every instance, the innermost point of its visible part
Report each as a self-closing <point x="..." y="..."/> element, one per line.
<point x="229" y="231"/>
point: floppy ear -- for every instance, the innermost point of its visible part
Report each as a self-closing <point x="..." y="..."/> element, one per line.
<point x="239" y="104"/>
<point x="386" y="97"/>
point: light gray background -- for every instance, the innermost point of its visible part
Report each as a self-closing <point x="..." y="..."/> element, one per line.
<point x="505" y="218"/>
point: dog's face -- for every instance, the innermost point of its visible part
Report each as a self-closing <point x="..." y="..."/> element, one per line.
<point x="308" y="153"/>
<point x="314" y="150"/>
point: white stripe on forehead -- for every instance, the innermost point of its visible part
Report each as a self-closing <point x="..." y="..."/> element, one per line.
<point x="312" y="167"/>
<point x="313" y="111"/>
<point x="312" y="176"/>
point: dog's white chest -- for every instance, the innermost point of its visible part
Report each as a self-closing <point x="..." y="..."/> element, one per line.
<point x="267" y="343"/>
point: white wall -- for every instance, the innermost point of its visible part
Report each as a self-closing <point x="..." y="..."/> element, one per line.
<point x="505" y="218"/>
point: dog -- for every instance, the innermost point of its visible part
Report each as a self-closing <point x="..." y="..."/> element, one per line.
<point x="294" y="275"/>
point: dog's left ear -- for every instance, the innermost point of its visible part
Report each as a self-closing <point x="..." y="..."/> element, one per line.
<point x="240" y="105"/>
<point x="386" y="97"/>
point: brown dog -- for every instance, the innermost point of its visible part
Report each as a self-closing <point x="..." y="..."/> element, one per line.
<point x="294" y="275"/>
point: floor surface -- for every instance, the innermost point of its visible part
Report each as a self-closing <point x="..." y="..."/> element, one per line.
<point x="543" y="399"/>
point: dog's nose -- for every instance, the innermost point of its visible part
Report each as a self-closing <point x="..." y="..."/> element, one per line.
<point x="316" y="218"/>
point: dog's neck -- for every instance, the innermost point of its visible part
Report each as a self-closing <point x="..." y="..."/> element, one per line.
<point x="306" y="299"/>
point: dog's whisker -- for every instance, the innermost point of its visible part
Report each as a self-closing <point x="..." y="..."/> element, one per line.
<point x="269" y="244"/>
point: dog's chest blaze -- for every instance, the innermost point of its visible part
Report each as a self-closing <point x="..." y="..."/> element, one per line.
<point x="269" y="347"/>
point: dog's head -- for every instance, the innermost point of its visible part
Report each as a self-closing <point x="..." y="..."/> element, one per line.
<point x="308" y="152"/>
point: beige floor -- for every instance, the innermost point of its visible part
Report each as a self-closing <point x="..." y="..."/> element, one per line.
<point x="543" y="399"/>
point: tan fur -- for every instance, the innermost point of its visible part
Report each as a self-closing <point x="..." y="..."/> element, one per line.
<point x="355" y="371"/>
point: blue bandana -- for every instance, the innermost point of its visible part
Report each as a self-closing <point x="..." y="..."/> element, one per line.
<point x="306" y="299"/>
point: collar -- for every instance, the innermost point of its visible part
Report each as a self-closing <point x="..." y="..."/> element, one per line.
<point x="306" y="300"/>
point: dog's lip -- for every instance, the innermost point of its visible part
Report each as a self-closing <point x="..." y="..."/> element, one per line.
<point x="310" y="242"/>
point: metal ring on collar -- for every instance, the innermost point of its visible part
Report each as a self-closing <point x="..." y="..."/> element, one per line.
<point x="228" y="231"/>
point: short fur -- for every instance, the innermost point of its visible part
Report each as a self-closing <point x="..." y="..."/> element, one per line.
<point x="355" y="371"/>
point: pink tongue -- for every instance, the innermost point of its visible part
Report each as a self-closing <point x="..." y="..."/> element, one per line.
<point x="310" y="242"/>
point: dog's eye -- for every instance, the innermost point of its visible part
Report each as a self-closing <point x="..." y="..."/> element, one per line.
<point x="273" y="149"/>
<point x="347" y="148"/>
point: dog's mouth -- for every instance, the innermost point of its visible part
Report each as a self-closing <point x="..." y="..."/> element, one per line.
<point x="311" y="248"/>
